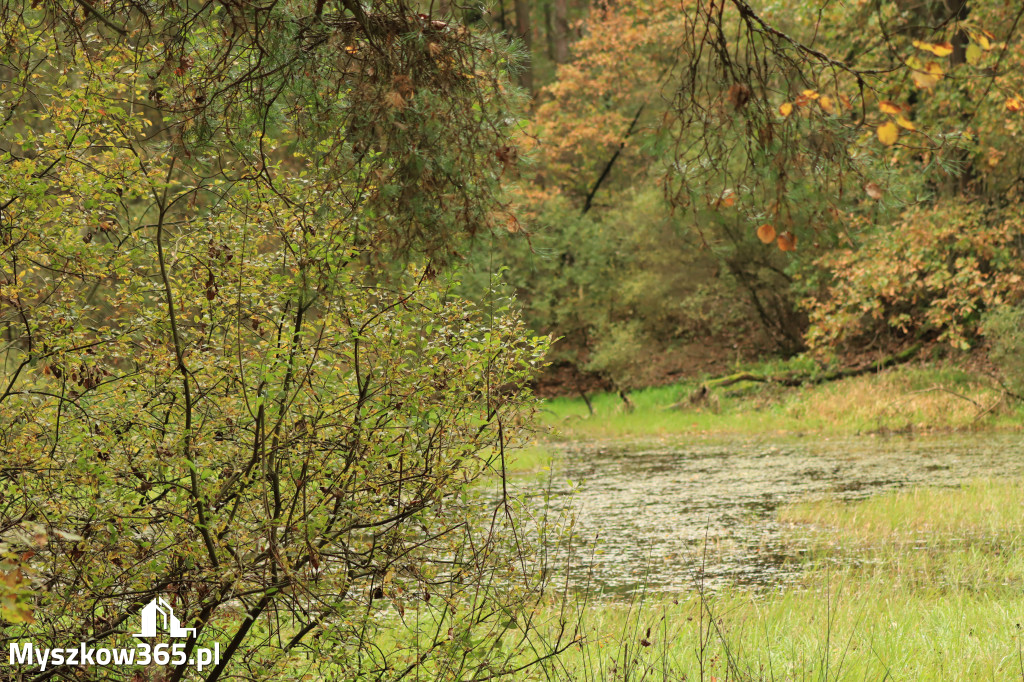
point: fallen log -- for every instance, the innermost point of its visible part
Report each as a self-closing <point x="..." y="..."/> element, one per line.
<point x="703" y="392"/>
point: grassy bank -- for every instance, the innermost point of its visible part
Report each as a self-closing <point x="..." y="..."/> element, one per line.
<point x="948" y="609"/>
<point x="918" y="398"/>
<point x="924" y="584"/>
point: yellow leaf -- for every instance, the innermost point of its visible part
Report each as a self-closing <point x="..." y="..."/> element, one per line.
<point x="825" y="103"/>
<point x="974" y="54"/>
<point x="937" y="49"/>
<point x="766" y="233"/>
<point x="810" y="94"/>
<point x="905" y="123"/>
<point x="1014" y="104"/>
<point x="786" y="109"/>
<point x="982" y="40"/>
<point x="927" y="78"/>
<point x="887" y="107"/>
<point x="888" y="133"/>
<point x="924" y="81"/>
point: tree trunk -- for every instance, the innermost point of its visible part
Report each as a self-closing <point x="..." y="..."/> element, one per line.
<point x="524" y="31"/>
<point x="703" y="392"/>
<point x="549" y="32"/>
<point x="501" y="16"/>
<point x="558" y="29"/>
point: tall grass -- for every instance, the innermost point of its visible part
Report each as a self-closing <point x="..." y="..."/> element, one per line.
<point x="876" y="603"/>
<point x="842" y="628"/>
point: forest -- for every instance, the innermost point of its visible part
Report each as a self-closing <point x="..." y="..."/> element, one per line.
<point x="530" y="340"/>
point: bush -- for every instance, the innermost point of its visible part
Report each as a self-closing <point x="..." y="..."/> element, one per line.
<point x="235" y="374"/>
<point x="1004" y="329"/>
<point x="930" y="277"/>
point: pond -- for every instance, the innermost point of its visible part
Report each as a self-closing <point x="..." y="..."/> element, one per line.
<point x="666" y="517"/>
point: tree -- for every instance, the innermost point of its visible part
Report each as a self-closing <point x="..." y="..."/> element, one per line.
<point x="524" y="30"/>
<point x="557" y="15"/>
<point x="236" y="374"/>
<point x="785" y="141"/>
<point x="768" y="105"/>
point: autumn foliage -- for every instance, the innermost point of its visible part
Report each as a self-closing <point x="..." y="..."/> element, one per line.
<point x="929" y="277"/>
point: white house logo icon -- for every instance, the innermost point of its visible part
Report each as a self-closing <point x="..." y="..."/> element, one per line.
<point x="159" y="608"/>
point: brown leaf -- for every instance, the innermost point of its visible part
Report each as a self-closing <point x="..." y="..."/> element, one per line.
<point x="766" y="233"/>
<point x="727" y="198"/>
<point x="739" y="95"/>
<point x="787" y="241"/>
<point x="873" y="191"/>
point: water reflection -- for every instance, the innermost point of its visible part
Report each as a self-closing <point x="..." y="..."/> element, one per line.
<point x="675" y="514"/>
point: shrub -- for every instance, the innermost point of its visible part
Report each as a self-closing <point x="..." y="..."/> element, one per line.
<point x="930" y="277"/>
<point x="1004" y="329"/>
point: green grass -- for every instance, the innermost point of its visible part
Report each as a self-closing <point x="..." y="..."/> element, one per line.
<point x="967" y="538"/>
<point x="951" y="608"/>
<point x="906" y="398"/>
<point x="982" y="508"/>
<point x="843" y="628"/>
<point x="532" y="459"/>
<point x="922" y="585"/>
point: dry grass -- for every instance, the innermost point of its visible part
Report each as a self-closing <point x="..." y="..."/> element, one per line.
<point x="900" y="400"/>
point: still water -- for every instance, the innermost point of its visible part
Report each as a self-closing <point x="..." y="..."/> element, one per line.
<point x="666" y="517"/>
